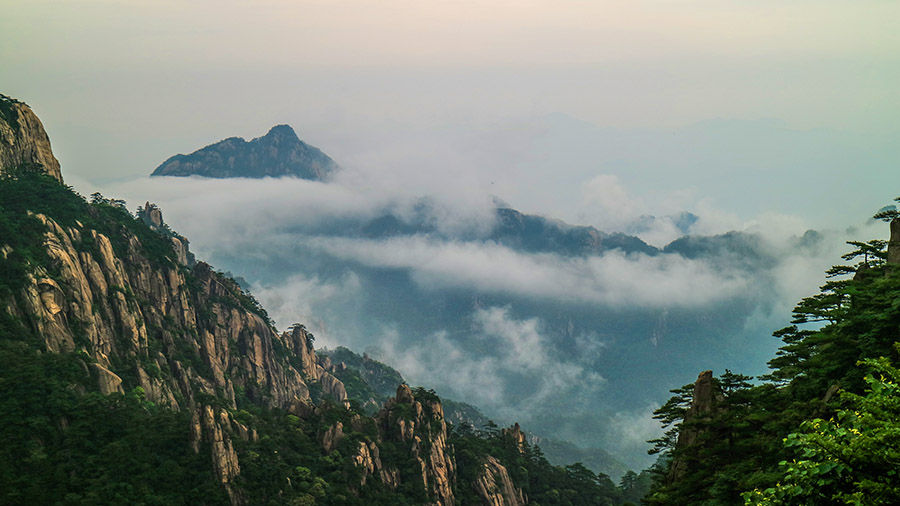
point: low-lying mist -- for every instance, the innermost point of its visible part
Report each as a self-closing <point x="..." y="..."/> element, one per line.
<point x="575" y="347"/>
<point x="405" y="264"/>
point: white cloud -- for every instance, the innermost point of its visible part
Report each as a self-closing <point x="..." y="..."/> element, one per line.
<point x="492" y="380"/>
<point x="614" y="278"/>
<point x="607" y="204"/>
<point x="629" y="431"/>
<point x="307" y="299"/>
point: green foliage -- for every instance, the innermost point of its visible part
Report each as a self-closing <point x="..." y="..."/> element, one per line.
<point x="543" y="483"/>
<point x="889" y="213"/>
<point x="635" y="486"/>
<point x="27" y="191"/>
<point x="751" y="439"/>
<point x="287" y="465"/>
<point x="852" y="458"/>
<point x="62" y="446"/>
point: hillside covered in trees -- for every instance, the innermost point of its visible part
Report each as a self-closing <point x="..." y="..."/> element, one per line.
<point x="824" y="426"/>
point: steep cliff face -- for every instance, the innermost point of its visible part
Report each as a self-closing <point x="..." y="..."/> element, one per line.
<point x="189" y="337"/>
<point x="419" y="423"/>
<point x="893" y="253"/>
<point x="495" y="487"/>
<point x="705" y="400"/>
<point x="152" y="216"/>
<point x="23" y="140"/>
<point x="279" y="153"/>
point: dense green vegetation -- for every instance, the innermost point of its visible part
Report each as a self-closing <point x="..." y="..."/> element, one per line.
<point x="778" y="437"/>
<point x="64" y="443"/>
<point x="851" y="458"/>
<point x="287" y="464"/>
<point x="27" y="191"/>
<point x="542" y="483"/>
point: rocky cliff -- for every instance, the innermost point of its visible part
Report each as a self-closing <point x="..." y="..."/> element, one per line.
<point x="893" y="251"/>
<point x="23" y="140"/>
<point x="279" y="153"/>
<point x="705" y="400"/>
<point x="418" y="421"/>
<point x="495" y="487"/>
<point x="140" y="317"/>
<point x="152" y="216"/>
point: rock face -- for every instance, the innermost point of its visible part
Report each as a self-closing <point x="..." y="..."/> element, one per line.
<point x="279" y="153"/>
<point x="23" y="141"/>
<point x="894" y="243"/>
<point x="495" y="487"/>
<point x="517" y="435"/>
<point x="420" y="424"/>
<point x="706" y="398"/>
<point x="151" y="215"/>
<point x="368" y="459"/>
<point x="190" y="334"/>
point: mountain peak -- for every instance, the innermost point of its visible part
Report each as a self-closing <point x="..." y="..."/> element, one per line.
<point x="23" y="140"/>
<point x="279" y="153"/>
<point x="282" y="131"/>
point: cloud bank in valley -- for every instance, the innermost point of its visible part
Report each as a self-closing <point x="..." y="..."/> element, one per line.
<point x="524" y="335"/>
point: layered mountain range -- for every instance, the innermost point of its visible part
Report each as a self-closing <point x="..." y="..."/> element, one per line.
<point x="134" y="373"/>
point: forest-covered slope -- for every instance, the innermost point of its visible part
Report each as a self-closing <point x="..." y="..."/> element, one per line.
<point x="824" y="426"/>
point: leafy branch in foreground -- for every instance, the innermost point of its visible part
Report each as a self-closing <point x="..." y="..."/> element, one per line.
<point x="852" y="458"/>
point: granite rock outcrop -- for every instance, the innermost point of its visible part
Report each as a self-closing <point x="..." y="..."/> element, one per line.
<point x="23" y="140"/>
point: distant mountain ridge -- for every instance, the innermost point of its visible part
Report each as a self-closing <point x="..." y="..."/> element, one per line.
<point x="279" y="153"/>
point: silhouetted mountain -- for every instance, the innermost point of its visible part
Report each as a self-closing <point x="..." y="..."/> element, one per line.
<point x="538" y="234"/>
<point x="279" y="153"/>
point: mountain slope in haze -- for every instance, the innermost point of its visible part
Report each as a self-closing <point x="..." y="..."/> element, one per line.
<point x="821" y="427"/>
<point x="279" y="153"/>
<point x="515" y="230"/>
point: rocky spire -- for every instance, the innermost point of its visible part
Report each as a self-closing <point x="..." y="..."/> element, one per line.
<point x="152" y="216"/>
<point x="517" y="435"/>
<point x="417" y="420"/>
<point x="23" y="140"/>
<point x="706" y="398"/>
<point x="894" y="243"/>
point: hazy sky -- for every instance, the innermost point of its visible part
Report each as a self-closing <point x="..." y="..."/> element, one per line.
<point x="124" y="84"/>
<point x="595" y="112"/>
